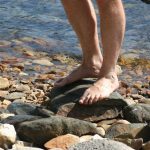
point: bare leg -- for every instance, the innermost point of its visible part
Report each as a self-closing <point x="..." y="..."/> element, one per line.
<point x="82" y="17"/>
<point x="112" y="32"/>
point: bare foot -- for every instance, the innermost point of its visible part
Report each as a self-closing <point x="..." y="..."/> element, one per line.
<point x="100" y="90"/>
<point x="79" y="73"/>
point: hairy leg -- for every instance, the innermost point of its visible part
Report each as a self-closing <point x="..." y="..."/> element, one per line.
<point x="82" y="17"/>
<point x="112" y="32"/>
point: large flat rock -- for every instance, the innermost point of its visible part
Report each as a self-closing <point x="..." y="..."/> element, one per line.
<point x="64" y="101"/>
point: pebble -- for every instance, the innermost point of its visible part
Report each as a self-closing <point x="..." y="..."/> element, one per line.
<point x="101" y="131"/>
<point x="63" y="142"/>
<point x="44" y="62"/>
<point x="7" y="135"/>
<point x="4" y="83"/>
<point x="15" y="95"/>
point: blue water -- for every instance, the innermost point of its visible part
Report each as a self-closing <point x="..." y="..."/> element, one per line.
<point x="46" y="20"/>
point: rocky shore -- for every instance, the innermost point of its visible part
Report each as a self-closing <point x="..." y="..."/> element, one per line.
<point x="34" y="115"/>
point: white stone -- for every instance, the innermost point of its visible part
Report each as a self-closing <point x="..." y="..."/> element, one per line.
<point x="7" y="135"/>
<point x="5" y="115"/>
<point x="97" y="137"/>
<point x="44" y="62"/>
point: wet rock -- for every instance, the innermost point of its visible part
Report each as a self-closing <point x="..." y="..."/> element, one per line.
<point x="64" y="101"/>
<point x="101" y="145"/>
<point x="15" y="95"/>
<point x="64" y="142"/>
<point x="146" y="146"/>
<point x="4" y="44"/>
<point x="4" y="83"/>
<point x="7" y="135"/>
<point x="44" y="62"/>
<point x="21" y="108"/>
<point x="14" y="120"/>
<point x="42" y="130"/>
<point x="136" y="130"/>
<point x="137" y="113"/>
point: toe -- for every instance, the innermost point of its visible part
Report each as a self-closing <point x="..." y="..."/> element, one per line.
<point x="84" y="97"/>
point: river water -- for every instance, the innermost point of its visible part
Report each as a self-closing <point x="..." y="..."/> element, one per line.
<point x="46" y="20"/>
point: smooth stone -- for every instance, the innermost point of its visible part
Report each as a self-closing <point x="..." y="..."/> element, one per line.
<point x="146" y="146"/>
<point x="105" y="126"/>
<point x="7" y="136"/>
<point x="22" y="87"/>
<point x="14" y="120"/>
<point x="15" y="95"/>
<point x="21" y="108"/>
<point x="64" y="142"/>
<point x="137" y="113"/>
<point x="5" y="115"/>
<point x="101" y="131"/>
<point x="135" y="130"/>
<point x="42" y="130"/>
<point x="104" y="144"/>
<point x="64" y="102"/>
<point x="122" y="122"/>
<point x="3" y="93"/>
<point x="44" y="62"/>
<point x="107" y="122"/>
<point x="4" y="83"/>
<point x="85" y="138"/>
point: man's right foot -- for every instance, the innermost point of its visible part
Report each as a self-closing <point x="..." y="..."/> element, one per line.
<point x="79" y="73"/>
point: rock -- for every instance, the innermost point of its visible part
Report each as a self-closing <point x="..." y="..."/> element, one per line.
<point x="3" y="93"/>
<point x="134" y="143"/>
<point x="135" y="130"/>
<point x="7" y="135"/>
<point x="6" y="102"/>
<point x="137" y="113"/>
<point x="105" y="127"/>
<point x="64" y="142"/>
<point x="146" y="146"/>
<point x="15" y="95"/>
<point x="4" y="44"/>
<point x="44" y="62"/>
<point x="22" y="87"/>
<point x="107" y="122"/>
<point x="64" y="101"/>
<point x="40" y="111"/>
<point x="85" y="138"/>
<point x="5" y="115"/>
<point x="42" y="130"/>
<point x="97" y="137"/>
<point x="101" y="131"/>
<point x="4" y="83"/>
<point x="101" y="145"/>
<point x="21" y="108"/>
<point x="14" y="120"/>
<point x="122" y="122"/>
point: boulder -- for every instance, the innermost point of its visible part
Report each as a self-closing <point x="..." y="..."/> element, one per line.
<point x="42" y="130"/>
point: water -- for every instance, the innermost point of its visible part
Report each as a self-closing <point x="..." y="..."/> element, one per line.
<point x="46" y="20"/>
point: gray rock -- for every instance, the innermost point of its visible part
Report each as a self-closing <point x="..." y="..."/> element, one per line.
<point x="103" y="144"/>
<point x="135" y="130"/>
<point x="14" y="120"/>
<point x="42" y="130"/>
<point x="15" y="95"/>
<point x="21" y="108"/>
<point x="64" y="101"/>
<point x="137" y="113"/>
<point x="2" y="110"/>
<point x="4" y="83"/>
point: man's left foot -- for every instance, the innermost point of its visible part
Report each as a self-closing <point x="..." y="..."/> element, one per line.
<point x="100" y="90"/>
